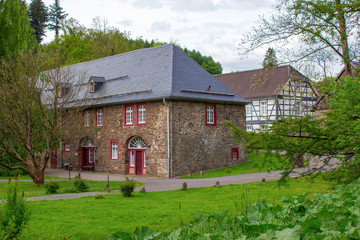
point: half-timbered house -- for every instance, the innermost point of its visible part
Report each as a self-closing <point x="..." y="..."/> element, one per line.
<point x="274" y="94"/>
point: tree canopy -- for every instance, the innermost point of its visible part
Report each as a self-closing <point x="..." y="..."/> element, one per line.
<point x="56" y="16"/>
<point x="319" y="25"/>
<point x="270" y="59"/>
<point x="15" y="31"/>
<point x="38" y="14"/>
<point x="78" y="44"/>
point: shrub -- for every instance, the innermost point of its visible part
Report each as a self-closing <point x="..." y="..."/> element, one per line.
<point x="52" y="187"/>
<point x="14" y="215"/>
<point x="127" y="188"/>
<point x="81" y="185"/>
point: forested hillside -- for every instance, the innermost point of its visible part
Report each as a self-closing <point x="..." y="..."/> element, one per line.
<point x="78" y="44"/>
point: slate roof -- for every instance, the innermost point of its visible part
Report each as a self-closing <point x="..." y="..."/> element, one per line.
<point x="260" y="83"/>
<point x="152" y="74"/>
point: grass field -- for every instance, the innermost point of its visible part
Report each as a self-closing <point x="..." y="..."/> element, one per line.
<point x="31" y="191"/>
<point x="89" y="218"/>
<point x="257" y="162"/>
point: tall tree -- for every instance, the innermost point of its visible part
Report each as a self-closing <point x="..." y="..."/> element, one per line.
<point x="15" y="31"/>
<point x="318" y="24"/>
<point x="38" y="14"/>
<point x="270" y="59"/>
<point x="33" y="107"/>
<point x="56" y="16"/>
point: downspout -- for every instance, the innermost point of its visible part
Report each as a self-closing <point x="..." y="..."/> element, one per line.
<point x="168" y="135"/>
<point x="61" y="146"/>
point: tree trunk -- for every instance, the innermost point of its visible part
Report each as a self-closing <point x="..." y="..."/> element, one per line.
<point x="37" y="176"/>
<point x="343" y="38"/>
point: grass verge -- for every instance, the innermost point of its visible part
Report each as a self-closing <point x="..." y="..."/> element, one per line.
<point x="31" y="191"/>
<point x="90" y="218"/>
<point x="257" y="162"/>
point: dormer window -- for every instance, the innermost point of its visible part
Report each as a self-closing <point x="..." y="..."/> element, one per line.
<point x="95" y="83"/>
<point x="63" y="89"/>
<point x="92" y="87"/>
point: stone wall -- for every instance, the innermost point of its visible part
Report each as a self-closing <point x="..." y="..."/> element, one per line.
<point x="153" y="132"/>
<point x="197" y="146"/>
<point x="194" y="145"/>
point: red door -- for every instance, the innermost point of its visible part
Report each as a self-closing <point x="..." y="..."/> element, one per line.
<point x="53" y="159"/>
<point x="138" y="161"/>
<point x="88" y="159"/>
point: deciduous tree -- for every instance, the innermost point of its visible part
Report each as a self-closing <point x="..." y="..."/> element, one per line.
<point x="34" y="105"/>
<point x="15" y="31"/>
<point x="319" y="25"/>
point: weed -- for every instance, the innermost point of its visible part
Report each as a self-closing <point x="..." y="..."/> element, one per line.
<point x="81" y="185"/>
<point x="99" y="196"/>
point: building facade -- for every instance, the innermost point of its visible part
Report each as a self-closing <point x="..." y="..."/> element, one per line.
<point x="157" y="113"/>
<point x="274" y="94"/>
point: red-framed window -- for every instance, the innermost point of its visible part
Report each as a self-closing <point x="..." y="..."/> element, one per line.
<point x="99" y="117"/>
<point x="141" y="114"/>
<point x="211" y="114"/>
<point x="129" y="115"/>
<point x="114" y="149"/>
<point x="66" y="146"/>
<point x="86" y="118"/>
<point x="235" y="153"/>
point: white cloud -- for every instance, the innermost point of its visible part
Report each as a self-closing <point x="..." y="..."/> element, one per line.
<point x="160" y="27"/>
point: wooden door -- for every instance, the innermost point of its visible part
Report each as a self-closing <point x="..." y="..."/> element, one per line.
<point x="53" y="159"/>
<point x="138" y="161"/>
<point x="88" y="159"/>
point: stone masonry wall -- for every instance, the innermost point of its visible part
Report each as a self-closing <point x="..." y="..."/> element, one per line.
<point x="197" y="146"/>
<point x="154" y="134"/>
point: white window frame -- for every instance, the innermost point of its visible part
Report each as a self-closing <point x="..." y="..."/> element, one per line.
<point x="210" y="115"/>
<point x="91" y="155"/>
<point x="86" y="118"/>
<point x="144" y="159"/>
<point x="99" y="117"/>
<point x="114" y="150"/>
<point x="263" y="108"/>
<point x="67" y="147"/>
<point x="248" y="110"/>
<point x="129" y="115"/>
<point x="132" y="158"/>
<point x="141" y="114"/>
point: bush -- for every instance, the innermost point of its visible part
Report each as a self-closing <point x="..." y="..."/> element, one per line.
<point x="52" y="187"/>
<point x="14" y="215"/>
<point x="127" y="188"/>
<point x="81" y="185"/>
<point x="69" y="190"/>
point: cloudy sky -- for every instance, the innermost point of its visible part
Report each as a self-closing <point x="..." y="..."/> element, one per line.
<point x="213" y="27"/>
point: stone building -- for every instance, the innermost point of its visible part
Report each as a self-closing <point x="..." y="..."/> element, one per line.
<point x="155" y="112"/>
<point x="273" y="93"/>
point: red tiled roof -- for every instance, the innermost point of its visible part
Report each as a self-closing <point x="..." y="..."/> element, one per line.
<point x="260" y="82"/>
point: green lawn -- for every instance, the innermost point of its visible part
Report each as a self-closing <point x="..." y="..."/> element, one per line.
<point x="31" y="191"/>
<point x="89" y="218"/>
<point x="257" y="162"/>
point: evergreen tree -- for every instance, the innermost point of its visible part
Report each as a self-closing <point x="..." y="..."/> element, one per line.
<point x="38" y="14"/>
<point x="270" y="59"/>
<point x="15" y="31"/>
<point x="56" y="15"/>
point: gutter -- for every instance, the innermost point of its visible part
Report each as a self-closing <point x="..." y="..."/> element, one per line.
<point x="168" y="135"/>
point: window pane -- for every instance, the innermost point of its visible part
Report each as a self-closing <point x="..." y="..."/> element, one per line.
<point x="91" y="155"/>
<point x="210" y="114"/>
<point x="132" y="158"/>
<point x="129" y="115"/>
<point x="141" y="114"/>
<point x="144" y="159"/>
<point x="86" y="118"/>
<point x="67" y="146"/>
<point x="114" y="150"/>
<point x="99" y="117"/>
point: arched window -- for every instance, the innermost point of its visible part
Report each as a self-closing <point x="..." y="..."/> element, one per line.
<point x="87" y="142"/>
<point x="137" y="142"/>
